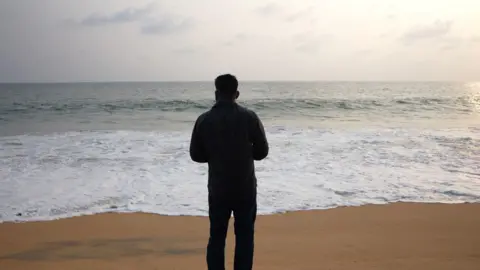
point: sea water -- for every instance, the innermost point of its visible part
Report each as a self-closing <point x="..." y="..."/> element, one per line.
<point x="85" y="148"/>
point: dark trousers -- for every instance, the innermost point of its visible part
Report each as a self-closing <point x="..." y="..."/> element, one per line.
<point x="244" y="210"/>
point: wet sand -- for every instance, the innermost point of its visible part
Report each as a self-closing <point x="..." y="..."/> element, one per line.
<point x="397" y="236"/>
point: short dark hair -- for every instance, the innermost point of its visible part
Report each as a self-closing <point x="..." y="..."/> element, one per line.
<point x="226" y="85"/>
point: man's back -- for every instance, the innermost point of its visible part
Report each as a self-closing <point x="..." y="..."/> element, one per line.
<point x="229" y="137"/>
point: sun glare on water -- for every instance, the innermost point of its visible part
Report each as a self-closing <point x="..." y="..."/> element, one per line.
<point x="474" y="97"/>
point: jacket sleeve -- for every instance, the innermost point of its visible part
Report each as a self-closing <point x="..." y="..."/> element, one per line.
<point x="259" y="139"/>
<point x="197" y="148"/>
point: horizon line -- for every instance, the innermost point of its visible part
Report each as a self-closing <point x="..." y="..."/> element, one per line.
<point x="240" y="81"/>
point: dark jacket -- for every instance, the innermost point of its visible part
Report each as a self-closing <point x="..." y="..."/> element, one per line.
<point x="229" y="138"/>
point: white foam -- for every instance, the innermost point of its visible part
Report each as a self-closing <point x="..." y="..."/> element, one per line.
<point x="76" y="173"/>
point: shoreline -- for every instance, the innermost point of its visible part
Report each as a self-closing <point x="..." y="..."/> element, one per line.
<point x="389" y="236"/>
<point x="113" y="211"/>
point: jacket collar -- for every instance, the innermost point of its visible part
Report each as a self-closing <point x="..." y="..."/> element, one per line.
<point x="224" y="103"/>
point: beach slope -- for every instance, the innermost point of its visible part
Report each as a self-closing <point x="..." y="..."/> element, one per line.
<point x="397" y="236"/>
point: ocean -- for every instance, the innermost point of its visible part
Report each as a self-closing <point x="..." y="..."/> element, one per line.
<point x="72" y="149"/>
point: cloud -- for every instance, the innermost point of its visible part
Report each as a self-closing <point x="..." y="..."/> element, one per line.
<point x="268" y="9"/>
<point x="123" y="16"/>
<point x="238" y="38"/>
<point x="241" y="36"/>
<point x="391" y="16"/>
<point x="450" y="43"/>
<point x="438" y="29"/>
<point x="310" y="43"/>
<point x="384" y="35"/>
<point x="149" y="23"/>
<point x="448" y="47"/>
<point x="299" y="15"/>
<point x="308" y="47"/>
<point x="185" y="50"/>
<point x="364" y="52"/>
<point x="167" y="25"/>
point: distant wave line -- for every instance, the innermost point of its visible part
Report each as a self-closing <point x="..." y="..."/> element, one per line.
<point x="463" y="104"/>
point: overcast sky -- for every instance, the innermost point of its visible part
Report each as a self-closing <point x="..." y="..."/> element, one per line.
<point x="119" y="40"/>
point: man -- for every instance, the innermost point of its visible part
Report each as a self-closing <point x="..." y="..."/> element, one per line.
<point x="229" y="138"/>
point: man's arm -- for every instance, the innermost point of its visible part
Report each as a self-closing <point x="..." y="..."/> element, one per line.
<point x="259" y="139"/>
<point x="197" y="149"/>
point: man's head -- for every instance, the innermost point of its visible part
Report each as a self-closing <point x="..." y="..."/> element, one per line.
<point x="226" y="87"/>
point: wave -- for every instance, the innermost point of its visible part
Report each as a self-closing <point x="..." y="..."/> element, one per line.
<point x="462" y="104"/>
<point x="111" y="106"/>
<point x="86" y="172"/>
<point x="455" y="193"/>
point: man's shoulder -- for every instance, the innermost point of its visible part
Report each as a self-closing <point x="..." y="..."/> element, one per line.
<point x="247" y="111"/>
<point x="203" y="116"/>
<point x="213" y="113"/>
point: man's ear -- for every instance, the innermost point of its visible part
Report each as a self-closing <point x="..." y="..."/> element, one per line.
<point x="237" y="95"/>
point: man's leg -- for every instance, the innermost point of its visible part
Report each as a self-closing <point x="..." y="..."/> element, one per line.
<point x="245" y="213"/>
<point x="219" y="214"/>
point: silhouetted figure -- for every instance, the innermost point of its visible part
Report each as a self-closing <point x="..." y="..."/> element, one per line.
<point x="230" y="137"/>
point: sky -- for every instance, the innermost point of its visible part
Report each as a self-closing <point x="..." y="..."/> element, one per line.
<point x="191" y="40"/>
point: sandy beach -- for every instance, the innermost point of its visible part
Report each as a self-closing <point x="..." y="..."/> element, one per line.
<point x="396" y="236"/>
